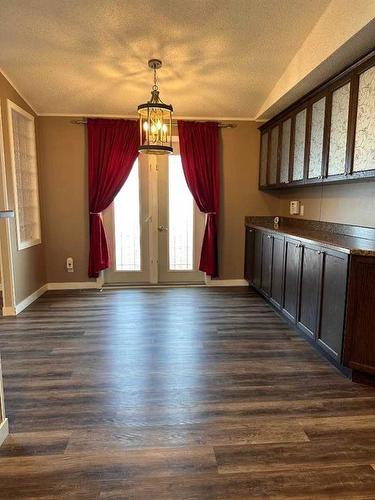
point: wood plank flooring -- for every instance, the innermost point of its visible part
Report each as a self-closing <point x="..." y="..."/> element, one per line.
<point x="176" y="393"/>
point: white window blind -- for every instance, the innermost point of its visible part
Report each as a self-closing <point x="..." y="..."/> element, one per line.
<point x="25" y="176"/>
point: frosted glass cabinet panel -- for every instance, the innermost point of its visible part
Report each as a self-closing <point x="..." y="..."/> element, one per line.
<point x="272" y="176"/>
<point x="339" y="130"/>
<point x="285" y="151"/>
<point x="299" y="146"/>
<point x="364" y="146"/>
<point x="263" y="159"/>
<point x="316" y="141"/>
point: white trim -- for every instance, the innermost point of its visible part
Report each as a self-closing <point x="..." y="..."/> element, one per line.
<point x="9" y="311"/>
<point x="2" y="404"/>
<point x="215" y="282"/>
<point x="4" y="431"/>
<point x="6" y="262"/>
<point x="16" y="89"/>
<point x="135" y="116"/>
<point x="31" y="298"/>
<point x="75" y="285"/>
<point x="21" y="245"/>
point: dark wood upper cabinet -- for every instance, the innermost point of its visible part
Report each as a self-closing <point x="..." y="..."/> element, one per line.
<point x="325" y="137"/>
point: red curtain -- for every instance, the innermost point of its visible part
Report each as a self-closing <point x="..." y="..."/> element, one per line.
<point x="199" y="147"/>
<point x="112" y="151"/>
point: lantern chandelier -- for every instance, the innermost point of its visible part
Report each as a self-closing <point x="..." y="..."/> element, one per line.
<point x="155" y="119"/>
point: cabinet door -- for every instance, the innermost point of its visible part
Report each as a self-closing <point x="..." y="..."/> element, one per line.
<point x="263" y="159"/>
<point x="274" y="156"/>
<point x="316" y="139"/>
<point x="267" y="263"/>
<point x="277" y="270"/>
<point x="338" y="131"/>
<point x="299" y="146"/>
<point x="249" y="254"/>
<point x="285" y="151"/>
<point x="291" y="277"/>
<point x="332" y="315"/>
<point x="310" y="286"/>
<point x="364" y="148"/>
<point x="257" y="274"/>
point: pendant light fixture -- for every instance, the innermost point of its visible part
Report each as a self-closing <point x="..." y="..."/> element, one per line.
<point x="155" y="119"/>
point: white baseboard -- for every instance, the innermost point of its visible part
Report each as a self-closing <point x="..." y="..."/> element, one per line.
<point x="9" y="311"/>
<point x="31" y="298"/>
<point x="4" y="431"/>
<point x="73" y="285"/>
<point x="215" y="282"/>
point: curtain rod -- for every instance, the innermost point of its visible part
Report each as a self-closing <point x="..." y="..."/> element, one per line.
<point x="174" y="122"/>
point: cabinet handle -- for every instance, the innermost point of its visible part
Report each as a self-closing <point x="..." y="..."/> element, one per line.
<point x="320" y="252"/>
<point x="298" y="245"/>
<point x="250" y="230"/>
<point x="269" y="236"/>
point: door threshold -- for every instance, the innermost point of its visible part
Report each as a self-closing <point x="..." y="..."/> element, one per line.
<point x="153" y="285"/>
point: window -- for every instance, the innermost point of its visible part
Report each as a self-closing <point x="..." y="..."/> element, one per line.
<point x="181" y="218"/>
<point x="127" y="224"/>
<point x="25" y="176"/>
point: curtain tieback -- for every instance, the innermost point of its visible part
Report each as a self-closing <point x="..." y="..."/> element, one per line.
<point x="95" y="213"/>
<point x="210" y="213"/>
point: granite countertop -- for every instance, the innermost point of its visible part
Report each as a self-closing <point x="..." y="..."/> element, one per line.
<point x="313" y="233"/>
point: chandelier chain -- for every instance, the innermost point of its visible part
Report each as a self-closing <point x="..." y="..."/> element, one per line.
<point x="155" y="86"/>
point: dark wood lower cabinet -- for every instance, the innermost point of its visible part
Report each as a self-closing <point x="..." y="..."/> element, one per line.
<point x="267" y="249"/>
<point x="291" y="277"/>
<point x="277" y="271"/>
<point x="249" y="254"/>
<point x="329" y="295"/>
<point x="359" y="352"/>
<point x="333" y="303"/>
<point x="309" y="289"/>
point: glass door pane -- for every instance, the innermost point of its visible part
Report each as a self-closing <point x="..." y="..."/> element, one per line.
<point x="180" y="225"/>
<point x="285" y="151"/>
<point x="181" y="218"/>
<point x="299" y="146"/>
<point x="274" y="156"/>
<point x="364" y="150"/>
<point x="316" y="141"/>
<point x="127" y="224"/>
<point x="339" y="130"/>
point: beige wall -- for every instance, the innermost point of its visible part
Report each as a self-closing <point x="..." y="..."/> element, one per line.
<point x="347" y="204"/>
<point x="62" y="153"/>
<point x="239" y="165"/>
<point x="62" y="149"/>
<point x="28" y="264"/>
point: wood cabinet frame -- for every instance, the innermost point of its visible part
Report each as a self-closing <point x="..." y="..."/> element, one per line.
<point x="350" y="74"/>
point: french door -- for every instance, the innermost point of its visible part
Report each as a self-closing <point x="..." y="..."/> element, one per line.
<point x="154" y="227"/>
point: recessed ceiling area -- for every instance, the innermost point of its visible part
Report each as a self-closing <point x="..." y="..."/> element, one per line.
<point x="221" y="58"/>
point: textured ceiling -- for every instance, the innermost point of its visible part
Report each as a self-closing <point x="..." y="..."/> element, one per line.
<point x="221" y="58"/>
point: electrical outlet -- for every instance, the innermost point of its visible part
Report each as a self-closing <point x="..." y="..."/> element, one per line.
<point x="294" y="207"/>
<point x="70" y="265"/>
<point x="302" y="210"/>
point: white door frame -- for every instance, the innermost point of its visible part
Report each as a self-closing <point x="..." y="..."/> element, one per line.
<point x="6" y="261"/>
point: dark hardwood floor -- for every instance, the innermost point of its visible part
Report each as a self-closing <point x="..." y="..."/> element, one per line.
<point x="176" y="393"/>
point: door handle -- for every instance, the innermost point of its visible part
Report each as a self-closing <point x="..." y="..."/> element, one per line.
<point x="162" y="228"/>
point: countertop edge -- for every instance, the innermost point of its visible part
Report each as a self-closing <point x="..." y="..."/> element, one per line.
<point x="322" y="242"/>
